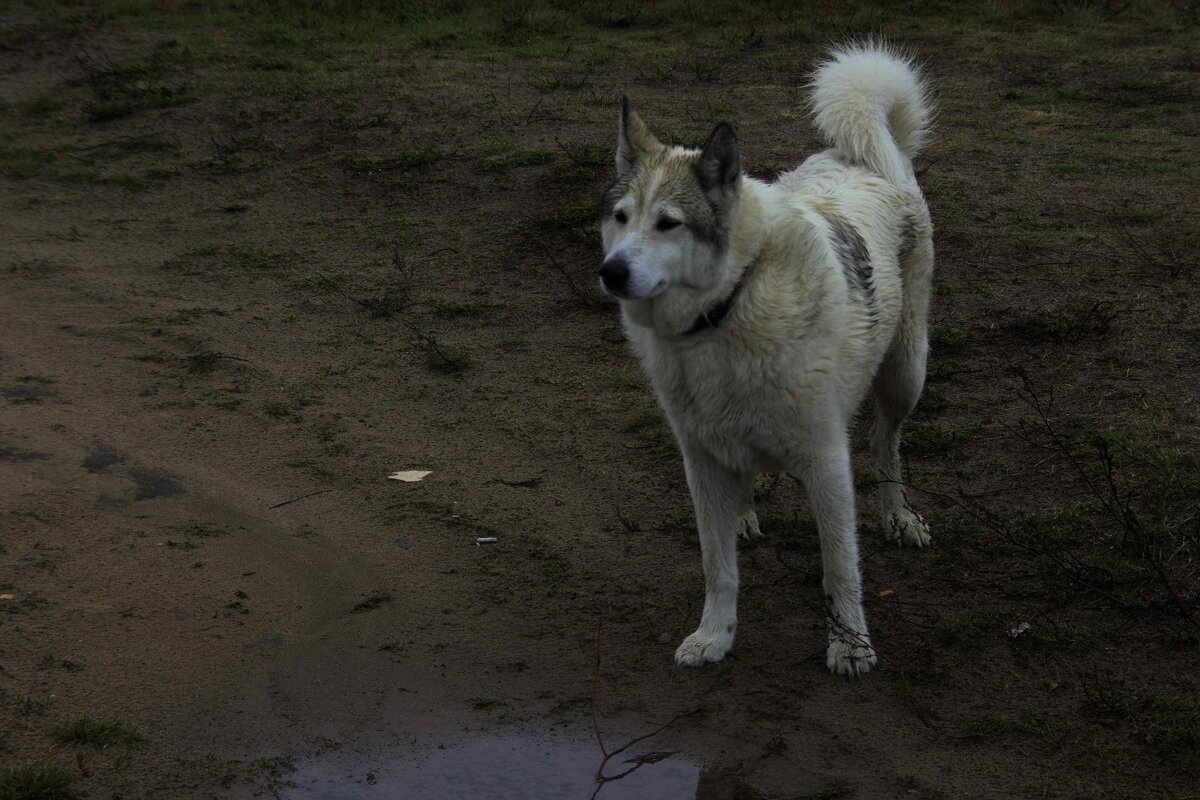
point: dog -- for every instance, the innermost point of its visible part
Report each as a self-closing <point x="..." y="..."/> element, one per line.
<point x="762" y="314"/>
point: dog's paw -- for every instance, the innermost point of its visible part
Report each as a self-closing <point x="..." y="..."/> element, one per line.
<point x="908" y="528"/>
<point x="850" y="654"/>
<point x="703" y="646"/>
<point x="748" y="526"/>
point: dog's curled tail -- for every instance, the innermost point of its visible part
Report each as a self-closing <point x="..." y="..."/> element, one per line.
<point x="871" y="104"/>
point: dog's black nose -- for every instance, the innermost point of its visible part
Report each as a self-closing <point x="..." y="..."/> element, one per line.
<point x="614" y="273"/>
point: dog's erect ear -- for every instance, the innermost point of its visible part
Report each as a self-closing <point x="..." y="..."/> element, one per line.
<point x="720" y="164"/>
<point x="634" y="139"/>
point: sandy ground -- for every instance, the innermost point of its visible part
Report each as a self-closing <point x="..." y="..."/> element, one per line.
<point x="225" y="320"/>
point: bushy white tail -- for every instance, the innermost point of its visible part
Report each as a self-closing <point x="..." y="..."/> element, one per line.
<point x="871" y="104"/>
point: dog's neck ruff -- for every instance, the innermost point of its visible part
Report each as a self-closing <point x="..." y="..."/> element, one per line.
<point x="711" y="317"/>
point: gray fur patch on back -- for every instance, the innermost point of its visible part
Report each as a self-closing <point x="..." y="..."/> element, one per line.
<point x="908" y="239"/>
<point x="852" y="253"/>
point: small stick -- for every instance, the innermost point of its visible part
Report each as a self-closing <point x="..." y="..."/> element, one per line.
<point x="298" y="499"/>
<point x="601" y="779"/>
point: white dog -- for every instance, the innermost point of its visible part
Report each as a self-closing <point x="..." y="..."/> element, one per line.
<point x="763" y="312"/>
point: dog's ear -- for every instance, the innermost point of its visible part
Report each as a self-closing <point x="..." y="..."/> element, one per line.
<point x="720" y="164"/>
<point x="634" y="139"/>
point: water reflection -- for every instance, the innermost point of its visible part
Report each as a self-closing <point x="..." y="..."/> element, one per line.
<point x="506" y="765"/>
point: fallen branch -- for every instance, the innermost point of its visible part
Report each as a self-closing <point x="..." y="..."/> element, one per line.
<point x="298" y="499"/>
<point x="637" y="761"/>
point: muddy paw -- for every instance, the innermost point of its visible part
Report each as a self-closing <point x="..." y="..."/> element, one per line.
<point x="703" y="646"/>
<point x="850" y="654"/>
<point x="748" y="526"/>
<point x="907" y="528"/>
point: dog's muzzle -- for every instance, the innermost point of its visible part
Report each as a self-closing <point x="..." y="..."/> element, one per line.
<point x="614" y="276"/>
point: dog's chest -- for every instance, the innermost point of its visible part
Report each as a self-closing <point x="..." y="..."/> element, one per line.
<point x="722" y="400"/>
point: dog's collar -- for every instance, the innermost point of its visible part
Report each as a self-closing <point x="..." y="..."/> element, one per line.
<point x="711" y="317"/>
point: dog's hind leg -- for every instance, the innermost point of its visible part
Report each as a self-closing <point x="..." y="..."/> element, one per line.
<point x="747" y="527"/>
<point x="898" y="386"/>
<point x="830" y="488"/>
<point x="721" y="497"/>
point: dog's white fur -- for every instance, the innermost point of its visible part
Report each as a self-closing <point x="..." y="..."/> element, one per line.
<point x="774" y="386"/>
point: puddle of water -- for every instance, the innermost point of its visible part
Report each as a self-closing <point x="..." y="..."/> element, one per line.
<point x="8" y="453"/>
<point x="503" y="765"/>
<point x="152" y="483"/>
<point x="31" y="394"/>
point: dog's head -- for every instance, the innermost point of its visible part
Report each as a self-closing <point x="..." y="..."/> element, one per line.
<point x="665" y="220"/>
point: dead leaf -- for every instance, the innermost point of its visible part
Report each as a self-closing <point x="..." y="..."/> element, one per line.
<point x="409" y="476"/>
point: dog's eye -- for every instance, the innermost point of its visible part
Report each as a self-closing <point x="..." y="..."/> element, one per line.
<point x="666" y="224"/>
<point x="621" y="217"/>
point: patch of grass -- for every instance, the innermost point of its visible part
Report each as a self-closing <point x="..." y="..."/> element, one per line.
<point x="400" y="160"/>
<point x="96" y="732"/>
<point x="205" y="261"/>
<point x="199" y="363"/>
<point x="41" y="105"/>
<point x="513" y="345"/>
<point x="1061" y="98"/>
<point x="1107" y="697"/>
<point x="186" y="544"/>
<point x="484" y="704"/>
<point x="922" y="440"/>
<point x="1177" y="739"/>
<point x="22" y="161"/>
<point x="572" y="215"/>
<point x="136" y="145"/>
<point x="445" y="359"/>
<point x="1067" y="324"/>
<point x="587" y="164"/>
<point x="1033" y="724"/>
<point x="270" y="774"/>
<point x="39" y="780"/>
<point x="925" y="675"/>
<point x="1056" y="639"/>
<point x="933" y="398"/>
<point x="864" y="19"/>
<point x="795" y="532"/>
<point x="579" y="219"/>
<point x="121" y="89"/>
<point x="638" y="420"/>
<point x="459" y="308"/>
<point x="969" y="634"/>
<point x="546" y="82"/>
<point x="657" y="70"/>
<point x="389" y="304"/>
<point x="200" y="530"/>
<point x="520" y="158"/>
<point x="746" y="39"/>
<point x="945" y="340"/>
<point x="279" y="410"/>
<point x="569" y="710"/>
<point x="1176" y="640"/>
<point x="1070" y="168"/>
<point x="834" y="792"/>
<point x="617" y="15"/>
<point x="986" y="728"/>
<point x="540" y="49"/>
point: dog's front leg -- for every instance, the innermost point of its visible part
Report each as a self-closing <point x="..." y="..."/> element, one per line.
<point x="827" y="479"/>
<point x="719" y="495"/>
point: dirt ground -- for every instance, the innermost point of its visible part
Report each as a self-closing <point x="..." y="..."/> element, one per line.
<point x="257" y="257"/>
